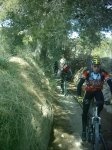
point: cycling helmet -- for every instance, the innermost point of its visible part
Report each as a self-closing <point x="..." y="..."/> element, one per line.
<point x="96" y="60"/>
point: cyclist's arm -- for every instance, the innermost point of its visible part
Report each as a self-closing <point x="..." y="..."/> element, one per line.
<point x="107" y="78"/>
<point x="79" y="86"/>
<point x="82" y="80"/>
<point x="110" y="84"/>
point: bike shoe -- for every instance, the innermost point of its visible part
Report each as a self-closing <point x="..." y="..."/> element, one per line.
<point x="83" y="136"/>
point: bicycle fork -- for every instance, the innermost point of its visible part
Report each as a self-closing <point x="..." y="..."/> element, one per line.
<point x="96" y="125"/>
<point x="96" y="120"/>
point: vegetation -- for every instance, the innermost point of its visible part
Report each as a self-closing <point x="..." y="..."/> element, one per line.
<point x="44" y="26"/>
<point x="33" y="34"/>
<point x="25" y="105"/>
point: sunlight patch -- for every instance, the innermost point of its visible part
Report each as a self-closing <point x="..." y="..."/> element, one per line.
<point x="45" y="111"/>
<point x="38" y="94"/>
<point x="19" y="61"/>
<point x="24" y="76"/>
<point x="40" y="71"/>
<point x="78" y="143"/>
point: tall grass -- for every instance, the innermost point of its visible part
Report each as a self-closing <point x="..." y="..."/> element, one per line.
<point x="25" y="115"/>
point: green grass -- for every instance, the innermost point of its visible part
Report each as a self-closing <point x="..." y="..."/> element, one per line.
<point x="3" y="62"/>
<point x="24" y="92"/>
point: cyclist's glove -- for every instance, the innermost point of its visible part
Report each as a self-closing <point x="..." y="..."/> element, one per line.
<point x="80" y="99"/>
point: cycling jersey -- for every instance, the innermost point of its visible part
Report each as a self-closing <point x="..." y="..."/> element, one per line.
<point x="66" y="69"/>
<point x="94" y="81"/>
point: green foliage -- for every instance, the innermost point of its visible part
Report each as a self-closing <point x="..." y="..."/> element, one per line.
<point x="41" y="27"/>
<point x="23" y="95"/>
<point x="50" y="22"/>
<point x="105" y="49"/>
<point x="3" y="62"/>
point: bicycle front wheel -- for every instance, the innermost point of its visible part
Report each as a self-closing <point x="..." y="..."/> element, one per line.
<point x="96" y="144"/>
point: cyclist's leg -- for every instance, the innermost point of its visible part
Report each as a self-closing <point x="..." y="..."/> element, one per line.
<point x="62" y="85"/>
<point x="86" y="103"/>
<point x="62" y="81"/>
<point x="100" y="100"/>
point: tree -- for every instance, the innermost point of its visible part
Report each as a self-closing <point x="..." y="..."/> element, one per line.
<point x="51" y="21"/>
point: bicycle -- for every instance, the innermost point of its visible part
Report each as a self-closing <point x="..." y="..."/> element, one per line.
<point x="65" y="87"/>
<point x="93" y="130"/>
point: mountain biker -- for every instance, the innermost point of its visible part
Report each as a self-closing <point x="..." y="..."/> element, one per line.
<point x="94" y="77"/>
<point x="66" y="74"/>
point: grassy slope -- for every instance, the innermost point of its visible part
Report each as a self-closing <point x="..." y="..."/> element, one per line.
<point x="25" y="110"/>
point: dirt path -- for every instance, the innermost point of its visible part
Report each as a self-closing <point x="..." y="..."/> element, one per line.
<point x="67" y="125"/>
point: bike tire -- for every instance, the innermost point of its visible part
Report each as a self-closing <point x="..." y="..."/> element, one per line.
<point x="89" y="131"/>
<point x="96" y="145"/>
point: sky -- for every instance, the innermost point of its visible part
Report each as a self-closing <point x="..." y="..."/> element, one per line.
<point x="72" y="35"/>
<point x="107" y="34"/>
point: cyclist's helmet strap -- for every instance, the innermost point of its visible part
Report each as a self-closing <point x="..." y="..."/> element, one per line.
<point x="96" y="60"/>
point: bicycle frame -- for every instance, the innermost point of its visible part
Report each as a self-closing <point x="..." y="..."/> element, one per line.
<point x="96" y="123"/>
<point x="93" y="127"/>
<point x="93" y="131"/>
<point x="94" y="135"/>
<point x="65" y="87"/>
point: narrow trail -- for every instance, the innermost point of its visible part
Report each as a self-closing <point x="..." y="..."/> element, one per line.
<point x="67" y="125"/>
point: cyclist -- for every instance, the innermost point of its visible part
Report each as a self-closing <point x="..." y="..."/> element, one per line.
<point x="94" y="77"/>
<point x="66" y="74"/>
